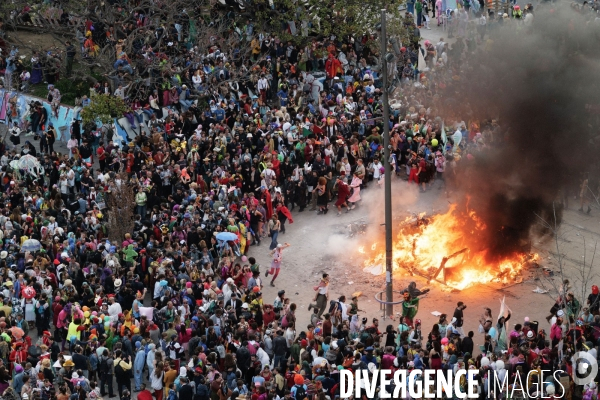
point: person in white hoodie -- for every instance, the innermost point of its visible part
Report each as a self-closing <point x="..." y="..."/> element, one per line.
<point x="228" y="289"/>
<point x="150" y="357"/>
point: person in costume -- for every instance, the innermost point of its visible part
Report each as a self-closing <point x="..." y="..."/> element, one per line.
<point x="343" y="194"/>
<point x="410" y="307"/>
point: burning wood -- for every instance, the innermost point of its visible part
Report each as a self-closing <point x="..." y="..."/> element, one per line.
<point x="447" y="243"/>
<point x="443" y="264"/>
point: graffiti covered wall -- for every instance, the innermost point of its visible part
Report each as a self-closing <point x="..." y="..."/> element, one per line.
<point x="14" y="106"/>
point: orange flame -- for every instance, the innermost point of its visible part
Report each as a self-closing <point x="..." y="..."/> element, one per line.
<point x="421" y="249"/>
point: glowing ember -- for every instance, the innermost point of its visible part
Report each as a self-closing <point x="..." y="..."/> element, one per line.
<point x="423" y="244"/>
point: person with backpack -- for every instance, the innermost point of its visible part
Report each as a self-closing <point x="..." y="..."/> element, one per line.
<point x="42" y="314"/>
<point x="122" y="369"/>
<point x="175" y="351"/>
<point x="106" y="372"/>
<point x="202" y="392"/>
<point x="299" y="389"/>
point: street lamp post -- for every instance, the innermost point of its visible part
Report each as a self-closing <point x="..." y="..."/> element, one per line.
<point x="389" y="293"/>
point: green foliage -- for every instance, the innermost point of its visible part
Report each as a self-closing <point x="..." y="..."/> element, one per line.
<point x="71" y="89"/>
<point x="40" y="90"/>
<point x="202" y="103"/>
<point x="103" y="109"/>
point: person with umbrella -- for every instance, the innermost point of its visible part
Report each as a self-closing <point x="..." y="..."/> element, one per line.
<point x="27" y="293"/>
<point x="31" y="245"/>
<point x="20" y="323"/>
<point x="17" y="333"/>
<point x="224" y="238"/>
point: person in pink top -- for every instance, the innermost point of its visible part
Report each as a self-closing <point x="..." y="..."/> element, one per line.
<point x="355" y="184"/>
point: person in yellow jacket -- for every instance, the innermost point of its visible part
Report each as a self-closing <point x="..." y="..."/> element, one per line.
<point x="243" y="232"/>
<point x="74" y="331"/>
<point x="122" y="372"/>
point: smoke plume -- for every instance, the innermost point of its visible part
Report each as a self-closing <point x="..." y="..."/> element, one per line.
<point x="540" y="81"/>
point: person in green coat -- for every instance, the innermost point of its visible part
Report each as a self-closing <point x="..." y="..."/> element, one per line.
<point x="295" y="352"/>
<point x="573" y="306"/>
<point x="410" y="307"/>
<point x="419" y="11"/>
<point x="129" y="255"/>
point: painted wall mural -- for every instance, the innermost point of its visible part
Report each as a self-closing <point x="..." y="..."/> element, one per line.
<point x="14" y="106"/>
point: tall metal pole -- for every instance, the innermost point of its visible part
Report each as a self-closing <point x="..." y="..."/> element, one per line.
<point x="389" y="293"/>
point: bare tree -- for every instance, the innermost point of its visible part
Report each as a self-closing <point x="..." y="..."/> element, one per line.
<point x="569" y="287"/>
<point x="153" y="33"/>
<point x="573" y="276"/>
<point x="121" y="208"/>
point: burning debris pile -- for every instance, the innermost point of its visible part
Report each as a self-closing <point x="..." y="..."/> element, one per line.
<point x="449" y="248"/>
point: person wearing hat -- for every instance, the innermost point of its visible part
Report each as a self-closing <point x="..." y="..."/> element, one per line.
<point x="299" y="390"/>
<point x="368" y="356"/>
<point x="66" y="370"/>
<point x="7" y="288"/>
<point x="18" y="378"/>
<point x="278" y="304"/>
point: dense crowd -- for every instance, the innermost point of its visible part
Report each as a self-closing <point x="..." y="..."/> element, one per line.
<point x="174" y="309"/>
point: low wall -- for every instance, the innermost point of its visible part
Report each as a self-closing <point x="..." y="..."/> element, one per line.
<point x="19" y="111"/>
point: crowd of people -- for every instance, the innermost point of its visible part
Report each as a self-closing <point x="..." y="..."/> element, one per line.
<point x="174" y="309"/>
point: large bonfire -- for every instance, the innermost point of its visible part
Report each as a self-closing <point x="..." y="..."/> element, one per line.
<point x="448" y="248"/>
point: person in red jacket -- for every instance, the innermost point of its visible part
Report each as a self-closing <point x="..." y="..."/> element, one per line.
<point x="332" y="66"/>
<point x="284" y="214"/>
<point x="343" y="194"/>
<point x="268" y="314"/>
<point x="18" y="355"/>
<point x="266" y="196"/>
<point x="56" y="309"/>
<point x="144" y="394"/>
